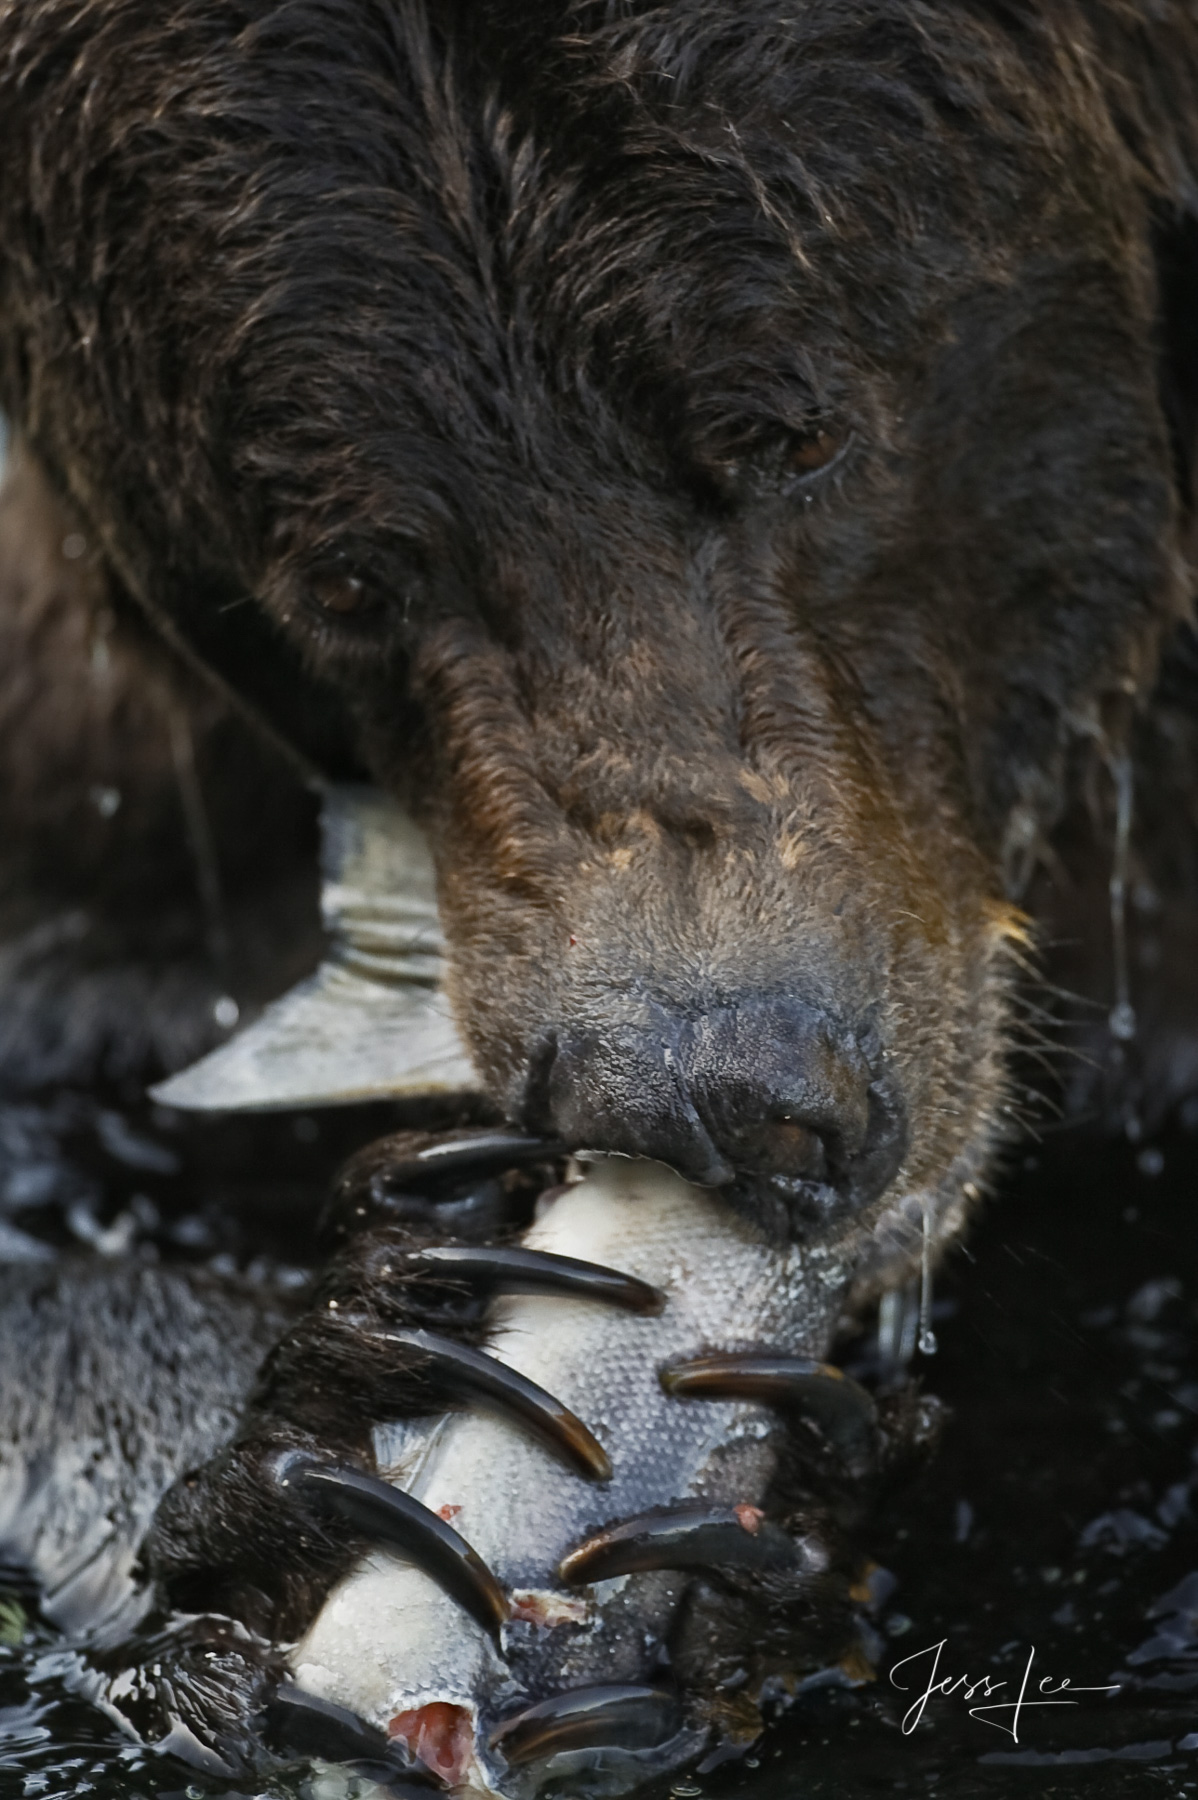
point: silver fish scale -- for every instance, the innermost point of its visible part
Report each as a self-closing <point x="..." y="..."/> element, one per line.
<point x="389" y="1640"/>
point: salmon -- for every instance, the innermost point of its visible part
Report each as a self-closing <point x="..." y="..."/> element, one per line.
<point x="577" y="1675"/>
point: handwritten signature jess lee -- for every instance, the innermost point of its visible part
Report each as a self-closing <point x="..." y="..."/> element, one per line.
<point x="1046" y="1693"/>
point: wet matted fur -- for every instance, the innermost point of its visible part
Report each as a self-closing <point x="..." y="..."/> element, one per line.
<point x="729" y="470"/>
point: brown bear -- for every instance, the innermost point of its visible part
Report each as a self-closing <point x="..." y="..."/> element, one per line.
<point x="726" y="470"/>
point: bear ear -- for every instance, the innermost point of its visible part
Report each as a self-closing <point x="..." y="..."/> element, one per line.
<point x="1175" y="244"/>
<point x="373" y="1022"/>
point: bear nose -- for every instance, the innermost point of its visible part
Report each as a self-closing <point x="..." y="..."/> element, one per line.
<point x="767" y="1089"/>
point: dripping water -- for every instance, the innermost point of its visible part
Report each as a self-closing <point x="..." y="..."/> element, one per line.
<point x="1122" y="1019"/>
<point x="927" y="1337"/>
<point x="201" y="839"/>
<point x="905" y="1312"/>
<point x="898" y="1317"/>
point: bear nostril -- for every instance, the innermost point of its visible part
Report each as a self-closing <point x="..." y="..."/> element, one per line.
<point x="795" y="1102"/>
<point x="781" y="1145"/>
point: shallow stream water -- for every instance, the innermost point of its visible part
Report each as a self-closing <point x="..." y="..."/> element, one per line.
<point x="1059" y="1523"/>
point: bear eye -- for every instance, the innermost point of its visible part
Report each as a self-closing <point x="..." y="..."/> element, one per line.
<point x="806" y="455"/>
<point x="775" y="461"/>
<point x="340" y="591"/>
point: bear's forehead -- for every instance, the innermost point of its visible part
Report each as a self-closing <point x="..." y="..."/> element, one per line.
<point x="687" y="226"/>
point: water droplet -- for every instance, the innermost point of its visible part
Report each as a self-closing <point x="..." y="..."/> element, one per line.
<point x="1122" y="1021"/>
<point x="1122" y="1017"/>
<point x="927" y="1337"/>
<point x="226" y="1012"/>
<point x="106" y="800"/>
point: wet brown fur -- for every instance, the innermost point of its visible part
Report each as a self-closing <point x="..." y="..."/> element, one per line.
<point x="750" y="783"/>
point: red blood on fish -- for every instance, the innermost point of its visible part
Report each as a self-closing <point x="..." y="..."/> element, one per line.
<point x="750" y="1517"/>
<point x="448" y="1512"/>
<point x="536" y="1607"/>
<point x="441" y="1735"/>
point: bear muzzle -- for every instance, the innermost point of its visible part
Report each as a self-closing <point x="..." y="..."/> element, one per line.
<point x="769" y="1096"/>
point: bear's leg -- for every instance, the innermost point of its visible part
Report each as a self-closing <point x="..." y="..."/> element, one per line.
<point x="237" y="1535"/>
<point x="427" y="1229"/>
<point x="155" y="858"/>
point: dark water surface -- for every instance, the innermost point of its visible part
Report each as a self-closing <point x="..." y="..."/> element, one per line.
<point x="1058" y="1523"/>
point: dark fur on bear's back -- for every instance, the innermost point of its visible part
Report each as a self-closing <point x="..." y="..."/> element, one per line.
<point x="457" y="381"/>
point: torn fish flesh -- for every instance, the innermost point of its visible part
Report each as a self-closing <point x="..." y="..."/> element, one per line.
<point x="576" y="1682"/>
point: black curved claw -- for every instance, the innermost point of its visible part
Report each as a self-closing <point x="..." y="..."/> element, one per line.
<point x="690" y="1538"/>
<point x="459" y="1181"/>
<point x="632" y="1718"/>
<point x="832" y="1400"/>
<point x="470" y="1374"/>
<point x="309" y="1726"/>
<point x="519" y="1271"/>
<point x="481" y="1153"/>
<point x="388" y="1516"/>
